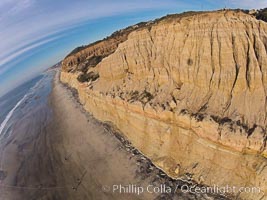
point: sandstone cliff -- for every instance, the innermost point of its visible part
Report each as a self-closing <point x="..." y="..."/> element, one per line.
<point x="188" y="90"/>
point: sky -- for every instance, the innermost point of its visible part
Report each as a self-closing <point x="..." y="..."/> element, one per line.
<point x="35" y="34"/>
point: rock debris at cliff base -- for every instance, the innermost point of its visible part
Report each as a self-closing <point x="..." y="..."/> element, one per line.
<point x="184" y="89"/>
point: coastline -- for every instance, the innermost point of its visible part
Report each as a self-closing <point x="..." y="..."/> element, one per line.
<point x="167" y="144"/>
<point x="144" y="171"/>
<point x="59" y="151"/>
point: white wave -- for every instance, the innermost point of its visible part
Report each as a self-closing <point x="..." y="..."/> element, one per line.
<point x="3" y="124"/>
<point x="30" y="92"/>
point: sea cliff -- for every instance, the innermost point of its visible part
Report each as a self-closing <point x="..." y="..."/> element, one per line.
<point x="188" y="90"/>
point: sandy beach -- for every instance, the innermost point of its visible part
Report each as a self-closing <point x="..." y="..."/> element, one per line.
<point x="61" y="152"/>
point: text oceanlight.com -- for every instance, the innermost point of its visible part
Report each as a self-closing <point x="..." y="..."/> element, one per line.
<point x="134" y="189"/>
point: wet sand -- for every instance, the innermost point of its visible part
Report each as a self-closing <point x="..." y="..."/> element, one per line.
<point x="69" y="155"/>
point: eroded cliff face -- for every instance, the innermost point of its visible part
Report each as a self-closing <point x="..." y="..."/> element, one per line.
<point x="188" y="91"/>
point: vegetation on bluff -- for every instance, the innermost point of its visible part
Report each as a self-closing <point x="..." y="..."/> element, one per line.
<point x="91" y="76"/>
<point x="262" y="14"/>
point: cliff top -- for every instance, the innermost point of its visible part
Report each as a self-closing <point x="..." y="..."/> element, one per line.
<point x="261" y="15"/>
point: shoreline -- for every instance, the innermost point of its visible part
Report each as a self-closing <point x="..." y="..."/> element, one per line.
<point x="143" y="160"/>
<point x="75" y="156"/>
<point x="167" y="144"/>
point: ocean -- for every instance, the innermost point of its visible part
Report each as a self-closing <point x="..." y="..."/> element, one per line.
<point x="17" y="103"/>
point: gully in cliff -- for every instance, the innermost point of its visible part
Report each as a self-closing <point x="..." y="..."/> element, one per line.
<point x="202" y="110"/>
<point x="171" y="108"/>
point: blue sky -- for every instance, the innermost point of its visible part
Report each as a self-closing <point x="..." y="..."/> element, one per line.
<point x="35" y="34"/>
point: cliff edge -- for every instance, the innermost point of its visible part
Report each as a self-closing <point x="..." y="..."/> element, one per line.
<point x="188" y="90"/>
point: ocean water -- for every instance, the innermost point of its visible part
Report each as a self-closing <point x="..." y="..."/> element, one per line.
<point x="19" y="102"/>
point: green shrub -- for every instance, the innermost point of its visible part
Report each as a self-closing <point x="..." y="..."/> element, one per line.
<point x="262" y="15"/>
<point x="92" y="76"/>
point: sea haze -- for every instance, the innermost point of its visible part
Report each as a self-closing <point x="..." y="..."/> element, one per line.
<point x="9" y="100"/>
<point x="16" y="104"/>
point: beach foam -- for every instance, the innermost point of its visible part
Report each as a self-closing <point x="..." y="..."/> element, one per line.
<point x="9" y="115"/>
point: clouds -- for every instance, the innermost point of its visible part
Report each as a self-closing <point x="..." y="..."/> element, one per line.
<point x="249" y="4"/>
<point x="21" y="5"/>
<point x="243" y="4"/>
<point x="18" y="4"/>
<point x="12" y="7"/>
<point x="26" y="25"/>
<point x="22" y="50"/>
<point x="25" y="20"/>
